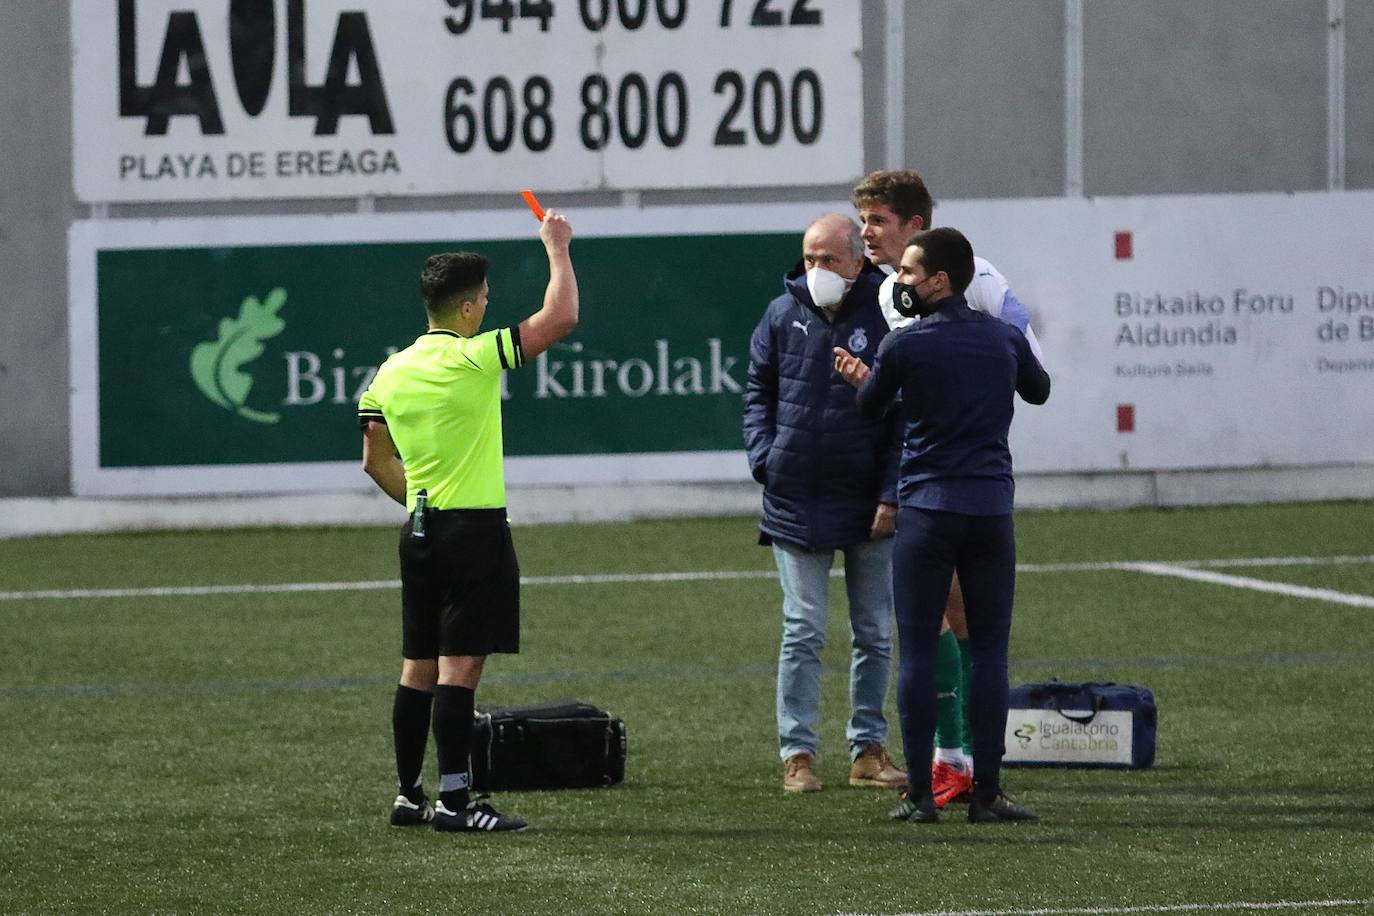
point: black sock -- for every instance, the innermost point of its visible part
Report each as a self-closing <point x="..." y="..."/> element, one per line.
<point x="410" y="731"/>
<point x="453" y="739"/>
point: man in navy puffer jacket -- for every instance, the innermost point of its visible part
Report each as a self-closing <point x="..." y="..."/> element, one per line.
<point x="829" y="479"/>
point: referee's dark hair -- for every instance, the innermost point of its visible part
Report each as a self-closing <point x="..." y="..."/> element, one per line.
<point x="450" y="278"/>
<point x="945" y="249"/>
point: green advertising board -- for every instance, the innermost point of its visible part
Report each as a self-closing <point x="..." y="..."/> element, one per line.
<point x="236" y="353"/>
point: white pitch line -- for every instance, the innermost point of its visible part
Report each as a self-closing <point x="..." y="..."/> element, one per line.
<point x="1259" y="585"/>
<point x="172" y="591"/>
<point x="611" y="578"/>
<point x="1282" y="561"/>
<point x="169" y="591"/>
<point x="1110" y="565"/>
<point x="1160" y="908"/>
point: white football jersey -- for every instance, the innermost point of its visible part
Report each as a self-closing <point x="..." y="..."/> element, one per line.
<point x="988" y="292"/>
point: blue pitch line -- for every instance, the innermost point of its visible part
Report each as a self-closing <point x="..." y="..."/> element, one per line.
<point x="1146" y="909"/>
<point x="1197" y="661"/>
<point x="259" y="687"/>
<point x="745" y="672"/>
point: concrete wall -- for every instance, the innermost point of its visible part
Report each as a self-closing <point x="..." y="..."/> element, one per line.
<point x="1184" y="97"/>
<point x="35" y="208"/>
<point x="1177" y="97"/>
<point x="985" y="97"/>
<point x="1359" y="77"/>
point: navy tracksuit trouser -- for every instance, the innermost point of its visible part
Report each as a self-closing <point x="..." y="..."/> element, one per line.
<point x="931" y="545"/>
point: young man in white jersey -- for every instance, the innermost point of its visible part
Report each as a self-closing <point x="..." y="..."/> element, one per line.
<point x="893" y="205"/>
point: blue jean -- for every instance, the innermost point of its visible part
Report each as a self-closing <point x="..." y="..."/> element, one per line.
<point x="805" y="578"/>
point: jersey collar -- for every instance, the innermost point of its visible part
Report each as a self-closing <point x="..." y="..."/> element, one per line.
<point x="947" y="309"/>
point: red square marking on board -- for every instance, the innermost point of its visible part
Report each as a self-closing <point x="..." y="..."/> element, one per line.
<point x="1123" y="246"/>
<point x="1125" y="418"/>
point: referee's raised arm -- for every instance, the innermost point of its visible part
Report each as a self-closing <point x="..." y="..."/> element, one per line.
<point x="558" y="316"/>
<point x="436" y="406"/>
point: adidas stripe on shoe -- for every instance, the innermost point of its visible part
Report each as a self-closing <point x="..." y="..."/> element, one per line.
<point x="406" y="813"/>
<point x="915" y="810"/>
<point x="478" y="816"/>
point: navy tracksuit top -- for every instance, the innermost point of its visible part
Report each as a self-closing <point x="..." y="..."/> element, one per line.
<point x="956" y="370"/>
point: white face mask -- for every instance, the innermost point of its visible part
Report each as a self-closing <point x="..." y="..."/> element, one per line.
<point x="827" y="287"/>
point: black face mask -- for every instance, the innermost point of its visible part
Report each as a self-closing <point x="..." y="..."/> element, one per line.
<point x="908" y="302"/>
<point x="905" y="299"/>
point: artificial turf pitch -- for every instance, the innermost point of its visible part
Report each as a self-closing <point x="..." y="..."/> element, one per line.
<point x="230" y="753"/>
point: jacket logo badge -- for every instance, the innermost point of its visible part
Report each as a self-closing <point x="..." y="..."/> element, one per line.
<point x="858" y="341"/>
<point x="804" y="327"/>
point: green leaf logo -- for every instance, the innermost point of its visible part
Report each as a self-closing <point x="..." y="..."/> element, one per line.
<point x="217" y="365"/>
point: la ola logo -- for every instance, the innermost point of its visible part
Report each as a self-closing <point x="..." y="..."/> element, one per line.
<point x="253" y="52"/>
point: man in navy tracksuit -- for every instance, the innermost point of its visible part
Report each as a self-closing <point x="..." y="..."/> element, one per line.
<point x="830" y="483"/>
<point x="957" y="371"/>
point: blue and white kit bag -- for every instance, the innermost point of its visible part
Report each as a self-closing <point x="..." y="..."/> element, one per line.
<point x="1056" y="724"/>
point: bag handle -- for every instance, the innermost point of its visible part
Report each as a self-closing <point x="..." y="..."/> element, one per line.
<point x="1081" y="719"/>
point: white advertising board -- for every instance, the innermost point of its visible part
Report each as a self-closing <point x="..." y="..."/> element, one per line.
<point x="1180" y="333"/>
<point x="212" y="99"/>
<point x="1226" y="331"/>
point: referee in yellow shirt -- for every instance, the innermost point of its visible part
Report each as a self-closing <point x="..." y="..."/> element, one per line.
<point x="437" y="405"/>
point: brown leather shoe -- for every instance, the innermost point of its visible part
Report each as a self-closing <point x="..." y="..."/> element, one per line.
<point x="874" y="768"/>
<point x="799" y="774"/>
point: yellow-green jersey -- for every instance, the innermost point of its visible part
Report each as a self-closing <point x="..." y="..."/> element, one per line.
<point x="441" y="400"/>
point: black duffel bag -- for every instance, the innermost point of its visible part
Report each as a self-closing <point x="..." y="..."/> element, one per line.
<point x="563" y="744"/>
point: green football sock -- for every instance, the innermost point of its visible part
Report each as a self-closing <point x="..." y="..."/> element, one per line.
<point x="965" y="691"/>
<point x="949" y="721"/>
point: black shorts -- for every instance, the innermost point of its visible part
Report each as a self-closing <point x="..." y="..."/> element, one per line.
<point x="460" y="585"/>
